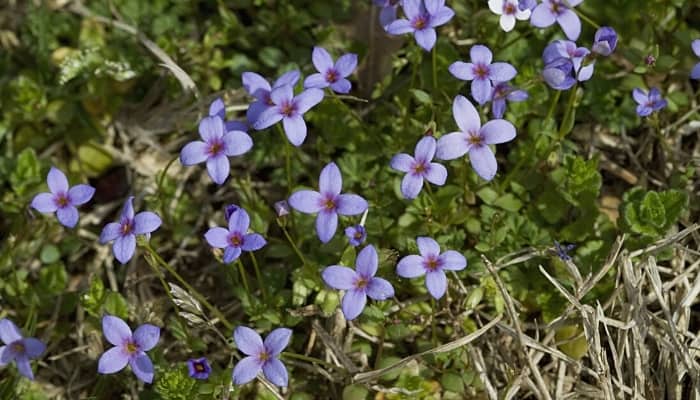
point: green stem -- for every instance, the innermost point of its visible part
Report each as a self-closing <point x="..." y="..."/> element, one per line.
<point x="570" y="105"/>
<point x="552" y="106"/>
<point x="435" y="67"/>
<point x="291" y="242"/>
<point x="187" y="286"/>
<point x="241" y="270"/>
<point x="308" y="359"/>
<point x="258" y="276"/>
<point x="585" y="18"/>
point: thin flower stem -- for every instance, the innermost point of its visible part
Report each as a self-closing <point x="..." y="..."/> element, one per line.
<point x="435" y="66"/>
<point x="345" y="106"/>
<point x="308" y="359"/>
<point x="570" y="106"/>
<point x="258" y="275"/>
<point x="291" y="242"/>
<point x="241" y="270"/>
<point x="586" y="18"/>
<point x="187" y="286"/>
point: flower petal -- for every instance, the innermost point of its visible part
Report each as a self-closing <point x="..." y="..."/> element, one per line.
<point x="351" y="204"/>
<point x="317" y="80"/>
<point x="128" y="210"/>
<point x="306" y="201"/>
<point x="147" y="336"/>
<point x="346" y="64"/>
<point x="124" y="247"/>
<point x="255" y="85"/>
<point x="367" y="261"/>
<point x="436" y="174"/>
<point x="248" y="341"/>
<point x="295" y="129"/>
<point x="353" y="303"/>
<point x="441" y="17"/>
<point x="411" y="185"/>
<point x="411" y="7"/>
<point x="116" y="331"/>
<point x="481" y="90"/>
<point x="640" y="96"/>
<point x="410" y="267"/>
<point x="496" y="6"/>
<point x="246" y="370"/>
<point x="231" y="254"/>
<point x="570" y="24"/>
<point x="33" y="347"/>
<point x="24" y="367"/>
<point x="288" y="78"/>
<point x="387" y="15"/>
<point x="44" y="202"/>
<point x="436" y="282"/>
<point x="427" y="246"/>
<point x="498" y="107"/>
<point x="253" y="241"/>
<point x="695" y="72"/>
<point x="480" y="54"/>
<point x="399" y="27"/>
<point x="239" y="221"/>
<point x="218" y="168"/>
<point x="217" y="108"/>
<point x="6" y="355"/>
<point x="217" y="237"/>
<point x="110" y="232"/>
<point x="113" y="360"/>
<point x="426" y="38"/>
<point x="380" y="289"/>
<point x="465" y="115"/>
<point x="425" y="149"/>
<point x="57" y="181"/>
<point x="541" y="16"/>
<point x="9" y="332"/>
<point x="282" y="94"/>
<point x="453" y="145"/>
<point x="142" y="367"/>
<point x="237" y="143"/>
<point x="275" y="372"/>
<point x="453" y="260"/>
<point x="402" y="162"/>
<point x="330" y="181"/>
<point x="339" y="277"/>
<point x="277" y="340"/>
<point x="695" y="45"/>
<point x="507" y="22"/>
<point x="497" y="131"/>
<point x="211" y="128"/>
<point x="502" y="72"/>
<point x="80" y="194"/>
<point x="194" y="153"/>
<point x="326" y="225"/>
<point x="341" y="86"/>
<point x="433" y="6"/>
<point x="483" y="161"/>
<point x="267" y="118"/>
<point x="462" y="70"/>
<point x="308" y="99"/>
<point x="321" y="59"/>
<point x="146" y="222"/>
<point x="236" y="125"/>
<point x="67" y="216"/>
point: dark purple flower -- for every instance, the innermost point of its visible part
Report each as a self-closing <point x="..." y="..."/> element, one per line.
<point x="216" y="146"/>
<point x="62" y="200"/>
<point x="527" y="4"/>
<point x="388" y="13"/>
<point x="282" y="208"/>
<point x="229" y="210"/>
<point x="648" y="103"/>
<point x="432" y="264"/>
<point x="502" y="91"/>
<point x="550" y="11"/>
<point x="423" y="16"/>
<point x="358" y="284"/>
<point x="474" y="138"/>
<point x="328" y="202"/>
<point x="290" y="110"/>
<point x="261" y="355"/>
<point x="128" y="348"/>
<point x="356" y="235"/>
<point x="329" y="73"/>
<point x="260" y="88"/>
<point x="695" y="73"/>
<point x="18" y="348"/>
<point x="198" y="368"/>
<point x="562" y="251"/>
<point x="559" y="74"/>
<point x="235" y="238"/>
<point x="419" y="167"/>
<point x="605" y="41"/>
<point x="509" y="10"/>
<point x="482" y="72"/>
<point x="124" y="232"/>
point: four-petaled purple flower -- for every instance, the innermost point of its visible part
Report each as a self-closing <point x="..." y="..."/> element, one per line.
<point x="235" y="238"/>
<point x="62" y="199"/>
<point x="124" y="232"/>
<point x="128" y="348"/>
<point x="605" y="41"/>
<point x="648" y="102"/>
<point x="423" y="16"/>
<point x="502" y="91"/>
<point x="419" y="167"/>
<point x="198" y="368"/>
<point x="18" y="348"/>
<point x="550" y="11"/>
<point x="695" y="72"/>
<point x="328" y="203"/>
<point x="329" y="73"/>
<point x="261" y="355"/>
<point x="565" y="63"/>
<point x="356" y="235"/>
<point x="358" y="284"/>
<point x="218" y="144"/>
<point x="432" y="264"/>
<point x="482" y="72"/>
<point x="509" y="10"/>
<point x="260" y="88"/>
<point x="290" y="110"/>
<point x="388" y="13"/>
<point x="474" y="138"/>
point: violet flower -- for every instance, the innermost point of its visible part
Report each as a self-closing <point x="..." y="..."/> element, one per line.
<point x="261" y="355"/>
<point x="124" y="232"/>
<point x="432" y="264"/>
<point x="562" y="250"/>
<point x="502" y="91"/>
<point x="358" y="284"/>
<point x="550" y="11"/>
<point x="218" y="144"/>
<point x="128" y="348"/>
<point x="260" y="89"/>
<point x="18" y="348"/>
<point x="387" y="15"/>
<point x="695" y="72"/>
<point x="62" y="199"/>
<point x="198" y="368"/>
<point x="218" y="108"/>
<point x="356" y="235"/>
<point x="328" y="202"/>
<point x="329" y="73"/>
<point x="282" y="208"/>
<point x="605" y="41"/>
<point x="509" y="10"/>
<point x="482" y="72"/>
<point x="290" y="110"/>
<point x="235" y="238"/>
<point x="419" y="167"/>
<point x="648" y="102"/>
<point x="474" y="138"/>
<point x="423" y="16"/>
<point x="229" y="210"/>
<point x="565" y="63"/>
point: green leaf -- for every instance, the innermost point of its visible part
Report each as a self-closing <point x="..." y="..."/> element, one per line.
<point x="452" y="382"/>
<point x="652" y="210"/>
<point x="675" y="202"/>
<point x="421" y="96"/>
<point x="355" y="392"/>
<point x="27" y="171"/>
<point x="49" y="254"/>
<point x="115" y="304"/>
<point x="509" y="203"/>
